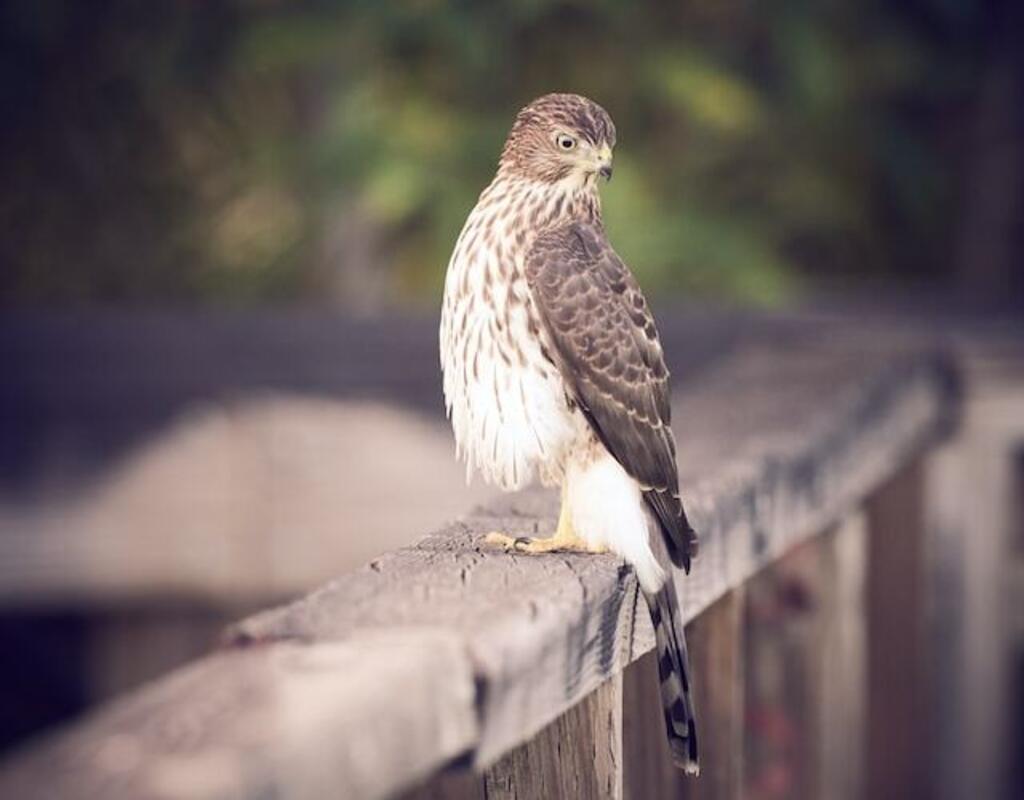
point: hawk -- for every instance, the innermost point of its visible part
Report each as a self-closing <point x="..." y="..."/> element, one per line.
<point x="553" y="370"/>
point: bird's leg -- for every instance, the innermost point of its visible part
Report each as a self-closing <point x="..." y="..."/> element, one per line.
<point x="565" y="537"/>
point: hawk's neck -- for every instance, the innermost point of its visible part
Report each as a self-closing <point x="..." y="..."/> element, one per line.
<point x="540" y="205"/>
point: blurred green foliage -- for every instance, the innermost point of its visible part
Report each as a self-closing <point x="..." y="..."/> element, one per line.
<point x="262" y="150"/>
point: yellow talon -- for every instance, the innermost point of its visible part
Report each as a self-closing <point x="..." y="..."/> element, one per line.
<point x="565" y="538"/>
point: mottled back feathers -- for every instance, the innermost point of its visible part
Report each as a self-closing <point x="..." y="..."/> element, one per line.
<point x="608" y="352"/>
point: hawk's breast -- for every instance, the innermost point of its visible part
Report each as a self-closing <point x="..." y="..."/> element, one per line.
<point x="506" y="398"/>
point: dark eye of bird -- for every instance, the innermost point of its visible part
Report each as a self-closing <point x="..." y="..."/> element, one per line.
<point x="566" y="142"/>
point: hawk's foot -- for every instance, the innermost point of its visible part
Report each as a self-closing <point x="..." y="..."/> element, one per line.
<point x="565" y="539"/>
<point x="534" y="545"/>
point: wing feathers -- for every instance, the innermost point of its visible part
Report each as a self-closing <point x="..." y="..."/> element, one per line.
<point x="608" y="351"/>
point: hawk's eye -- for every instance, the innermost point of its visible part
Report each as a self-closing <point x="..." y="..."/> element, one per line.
<point x="565" y="141"/>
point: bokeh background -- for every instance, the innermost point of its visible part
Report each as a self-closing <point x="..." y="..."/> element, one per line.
<point x="224" y="226"/>
<point x="257" y="151"/>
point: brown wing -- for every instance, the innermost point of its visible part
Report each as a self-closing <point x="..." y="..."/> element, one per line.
<point x="608" y="351"/>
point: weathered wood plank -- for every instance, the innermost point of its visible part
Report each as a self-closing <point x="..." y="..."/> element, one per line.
<point x="648" y="770"/>
<point x="716" y="642"/>
<point x="352" y="719"/>
<point x="579" y="755"/>
<point x="799" y="437"/>
<point x="716" y="655"/>
<point x="842" y="656"/>
<point x="805" y="659"/>
<point x="781" y="739"/>
<point x="776" y="444"/>
<point x="898" y="731"/>
<point x="974" y="502"/>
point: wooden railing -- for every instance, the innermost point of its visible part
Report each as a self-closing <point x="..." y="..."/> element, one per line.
<point x="446" y="669"/>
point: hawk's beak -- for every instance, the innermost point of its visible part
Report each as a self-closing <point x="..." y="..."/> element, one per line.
<point x="604" y="162"/>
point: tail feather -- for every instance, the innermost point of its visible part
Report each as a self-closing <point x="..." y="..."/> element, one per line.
<point x="674" y="677"/>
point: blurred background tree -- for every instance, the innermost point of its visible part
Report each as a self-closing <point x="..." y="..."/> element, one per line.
<point x="259" y="151"/>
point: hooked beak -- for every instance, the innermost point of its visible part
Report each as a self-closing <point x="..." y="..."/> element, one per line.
<point x="605" y="162"/>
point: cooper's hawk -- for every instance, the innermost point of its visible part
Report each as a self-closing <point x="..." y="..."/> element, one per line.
<point x="553" y="369"/>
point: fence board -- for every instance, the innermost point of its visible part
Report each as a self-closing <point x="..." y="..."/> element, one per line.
<point x="578" y="755"/>
<point x="776" y="445"/>
<point x="349" y="719"/>
<point x="842" y="657"/>
<point x="898" y="730"/>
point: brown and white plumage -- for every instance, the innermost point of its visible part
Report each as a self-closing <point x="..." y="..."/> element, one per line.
<point x="608" y="353"/>
<point x="553" y="368"/>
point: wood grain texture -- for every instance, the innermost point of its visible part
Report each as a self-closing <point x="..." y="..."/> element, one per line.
<point x="579" y="755"/>
<point x="716" y="654"/>
<point x="776" y="443"/>
<point x="647" y="763"/>
<point x="975" y="546"/>
<point x="775" y="447"/>
<point x="716" y="640"/>
<point x="780" y="739"/>
<point x="284" y="720"/>
<point x="898" y="720"/>
<point x="842" y="657"/>
<point x="806" y="682"/>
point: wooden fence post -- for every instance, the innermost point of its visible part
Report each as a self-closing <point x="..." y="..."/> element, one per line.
<point x="579" y="755"/>
<point x="897" y="743"/>
<point x="782" y="725"/>
<point x="843" y="658"/>
<point x="805" y="670"/>
<point x="715" y="645"/>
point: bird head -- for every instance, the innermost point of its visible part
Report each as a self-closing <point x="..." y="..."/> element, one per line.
<point x="560" y="137"/>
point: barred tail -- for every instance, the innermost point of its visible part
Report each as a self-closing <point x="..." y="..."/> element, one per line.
<point x="674" y="676"/>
